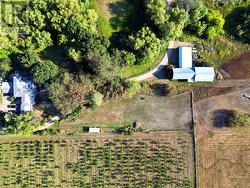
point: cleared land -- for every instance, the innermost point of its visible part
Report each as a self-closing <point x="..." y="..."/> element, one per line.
<point x="162" y="160"/>
<point x="238" y="67"/>
<point x="154" y="112"/>
<point x="223" y="153"/>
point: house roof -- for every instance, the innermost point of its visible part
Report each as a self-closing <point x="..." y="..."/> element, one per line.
<point x="26" y="91"/>
<point x="6" y="87"/>
<point x="204" y="74"/>
<point x="185" y="57"/>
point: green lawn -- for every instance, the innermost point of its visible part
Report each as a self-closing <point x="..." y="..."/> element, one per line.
<point x="137" y="70"/>
<point x="117" y="16"/>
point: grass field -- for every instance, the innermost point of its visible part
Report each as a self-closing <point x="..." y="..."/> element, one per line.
<point x="224" y="159"/>
<point x="154" y="112"/>
<point x="223" y="153"/>
<point x="162" y="160"/>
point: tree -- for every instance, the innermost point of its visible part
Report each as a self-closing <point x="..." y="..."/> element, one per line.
<point x="25" y="124"/>
<point x="5" y="66"/>
<point x="71" y="17"/>
<point x="156" y="10"/>
<point x="28" y="59"/>
<point x="69" y="91"/>
<point x="146" y="45"/>
<point x="215" y="24"/>
<point x="238" y="119"/>
<point x="96" y="99"/>
<point x="75" y="55"/>
<point x="44" y="71"/>
<point x="198" y="24"/>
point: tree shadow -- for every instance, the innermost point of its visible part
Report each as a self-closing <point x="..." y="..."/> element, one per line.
<point x="173" y="56"/>
<point x="220" y="118"/>
<point x="127" y="15"/>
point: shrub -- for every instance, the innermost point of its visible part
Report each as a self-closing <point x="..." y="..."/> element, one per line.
<point x="171" y="89"/>
<point x="238" y="119"/>
<point x="96" y="99"/>
<point x="44" y="71"/>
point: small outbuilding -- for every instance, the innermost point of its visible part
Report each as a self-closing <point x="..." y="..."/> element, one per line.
<point x="187" y="71"/>
<point x="94" y="130"/>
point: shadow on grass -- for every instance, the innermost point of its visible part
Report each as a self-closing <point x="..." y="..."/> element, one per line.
<point x="127" y="15"/>
<point x="220" y="118"/>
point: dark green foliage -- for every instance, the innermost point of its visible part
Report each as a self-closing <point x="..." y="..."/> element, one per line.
<point x="238" y="119"/>
<point x="243" y="27"/>
<point x="238" y="24"/>
<point x="28" y="59"/>
<point x="44" y="71"/>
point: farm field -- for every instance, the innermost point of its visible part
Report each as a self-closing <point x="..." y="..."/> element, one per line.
<point x="222" y="153"/>
<point x="162" y="160"/>
<point x="238" y="67"/>
<point x="154" y="112"/>
<point x="224" y="158"/>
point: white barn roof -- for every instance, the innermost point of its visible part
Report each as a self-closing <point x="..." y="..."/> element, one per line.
<point x="185" y="57"/>
<point x="183" y="74"/>
<point x="204" y="74"/>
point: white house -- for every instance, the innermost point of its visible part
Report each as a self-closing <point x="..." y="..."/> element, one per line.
<point x="22" y="90"/>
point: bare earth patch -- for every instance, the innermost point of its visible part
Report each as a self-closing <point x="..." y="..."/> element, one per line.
<point x="155" y="113"/>
<point x="238" y="67"/>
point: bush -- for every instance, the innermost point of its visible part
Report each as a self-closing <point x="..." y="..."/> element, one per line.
<point x="44" y="71"/>
<point x="25" y="124"/>
<point x="238" y="119"/>
<point x="171" y="89"/>
<point x="96" y="99"/>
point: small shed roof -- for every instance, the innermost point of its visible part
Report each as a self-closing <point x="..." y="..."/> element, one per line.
<point x="204" y="74"/>
<point x="94" y="130"/>
<point x="185" y="57"/>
